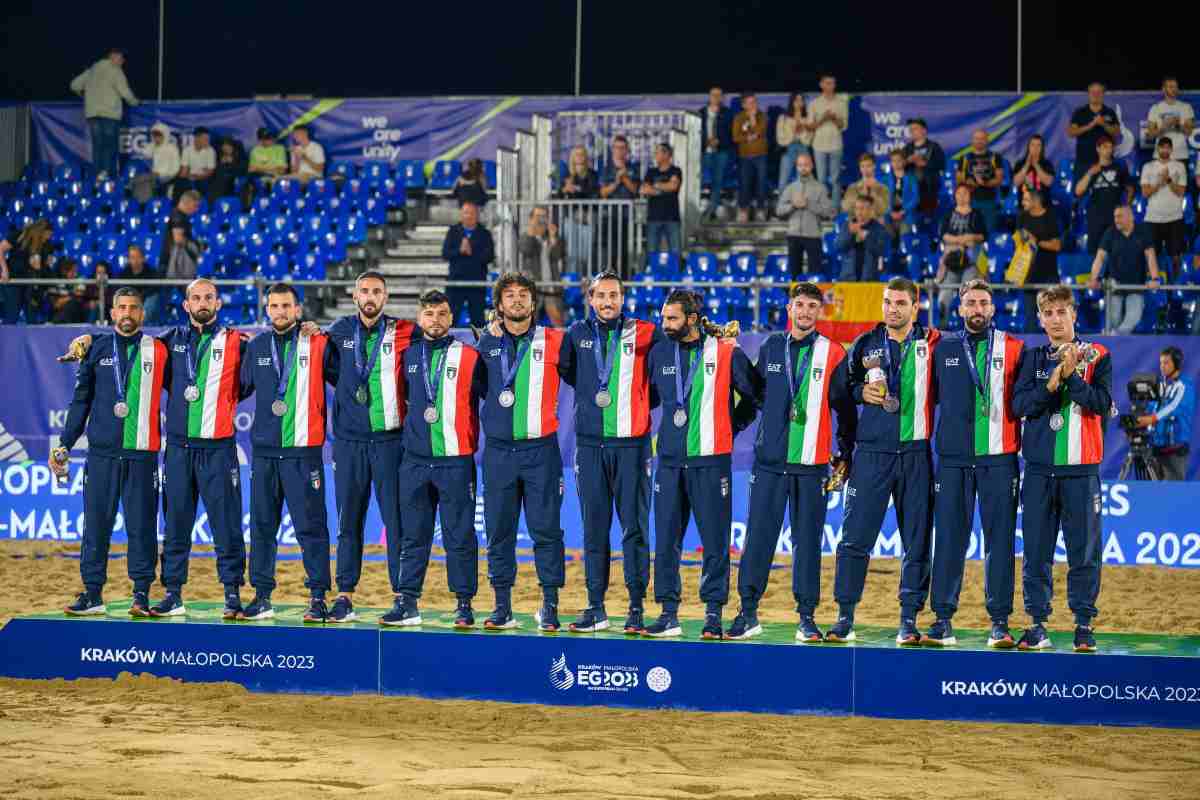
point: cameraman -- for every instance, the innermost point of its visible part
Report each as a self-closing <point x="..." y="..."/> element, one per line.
<point x="1172" y="419"/>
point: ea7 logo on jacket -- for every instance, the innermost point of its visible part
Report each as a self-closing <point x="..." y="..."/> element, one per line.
<point x="774" y="367"/>
<point x="264" y="362"/>
<point x="586" y="344"/>
<point x="412" y="369"/>
<point x="348" y="344"/>
<point x="106" y="362"/>
<point x="179" y="348"/>
<point x="668" y="370"/>
<point x="951" y="362"/>
<point x="494" y="353"/>
<point x="1043" y="374"/>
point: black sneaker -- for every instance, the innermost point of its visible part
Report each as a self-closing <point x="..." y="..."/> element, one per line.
<point x="666" y="625"/>
<point x="86" y="605"/>
<point x="1085" y="639"/>
<point x="464" y="617"/>
<point x="140" y="607"/>
<point x="547" y="618"/>
<point x="343" y="610"/>
<point x="1035" y="638"/>
<point x="807" y="631"/>
<point x="259" y="608"/>
<point x="841" y="632"/>
<point x="233" y="607"/>
<point x="941" y="634"/>
<point x="908" y="635"/>
<point x="501" y="619"/>
<point x="590" y="620"/>
<point x="635" y="621"/>
<point x="1001" y="638"/>
<point x="317" y="612"/>
<point x="745" y="626"/>
<point x="170" y="606"/>
<point x="712" y="627"/>
<point x="404" y="613"/>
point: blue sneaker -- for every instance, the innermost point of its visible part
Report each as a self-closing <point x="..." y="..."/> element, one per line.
<point x="1085" y="639"/>
<point x="1001" y="637"/>
<point x="170" y="606"/>
<point x="908" y="635"/>
<point x="635" y="621"/>
<point x="590" y="621"/>
<point x="547" y="619"/>
<point x="1035" y="638"/>
<point x="317" y="612"/>
<point x="233" y="607"/>
<point x="464" y="617"/>
<point x="713" y="628"/>
<point x="807" y="631"/>
<point x="501" y="619"/>
<point x="941" y="634"/>
<point x="343" y="610"/>
<point x="140" y="607"/>
<point x="666" y="625"/>
<point x="86" y="605"/>
<point x="744" y="626"/>
<point x="259" y="608"/>
<point x="841" y="632"/>
<point x="404" y="613"/>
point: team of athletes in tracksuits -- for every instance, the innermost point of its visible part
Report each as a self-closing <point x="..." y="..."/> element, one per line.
<point x="410" y="401"/>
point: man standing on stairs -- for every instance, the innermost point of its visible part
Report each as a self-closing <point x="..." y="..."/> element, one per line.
<point x="469" y="249"/>
<point x="805" y="204"/>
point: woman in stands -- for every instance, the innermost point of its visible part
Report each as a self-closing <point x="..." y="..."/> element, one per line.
<point x="794" y="132"/>
<point x="27" y="257"/>
<point x="581" y="183"/>
<point x="1034" y="170"/>
<point x="471" y="186"/>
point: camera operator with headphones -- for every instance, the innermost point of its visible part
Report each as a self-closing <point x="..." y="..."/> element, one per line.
<point x="1172" y="419"/>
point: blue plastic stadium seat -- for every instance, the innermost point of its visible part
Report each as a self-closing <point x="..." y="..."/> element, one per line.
<point x="343" y="169"/>
<point x="445" y="173"/>
<point x="375" y="170"/>
<point x="311" y="267"/>
<point x="355" y="229"/>
<point x="412" y="173"/>
<point x="321" y="187"/>
<point x="375" y="211"/>
<point x="285" y="188"/>
<point x="489" y="171"/>
<point x="777" y="268"/>
<point x="389" y="190"/>
<point x="663" y="265"/>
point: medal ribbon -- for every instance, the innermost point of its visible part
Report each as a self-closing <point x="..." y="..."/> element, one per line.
<point x="284" y="371"/>
<point x="510" y="373"/>
<point x="982" y="383"/>
<point x="796" y="380"/>
<point x="432" y="389"/>
<point x="194" y="358"/>
<point x="364" y="374"/>
<point x="604" y="363"/>
<point x="683" y="388"/>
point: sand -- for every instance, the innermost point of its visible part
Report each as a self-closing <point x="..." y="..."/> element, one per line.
<point x="153" y="737"/>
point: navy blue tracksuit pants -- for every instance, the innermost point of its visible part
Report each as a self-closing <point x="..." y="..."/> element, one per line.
<point x="907" y="479"/>
<point x="954" y="516"/>
<point x="605" y="476"/>
<point x="301" y="482"/>
<point x="134" y="484"/>
<point x="533" y="478"/>
<point x="1073" y="503"/>
<point x="210" y="474"/>
<point x="804" y="496"/>
<point x="357" y="466"/>
<point x="679" y="493"/>
<point x="448" y="491"/>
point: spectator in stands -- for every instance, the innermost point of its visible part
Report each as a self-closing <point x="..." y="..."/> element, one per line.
<point x="1088" y="124"/>
<point x="93" y="306"/>
<point x="103" y="86"/>
<point x="138" y="270"/>
<point x="829" y="114"/>
<point x="197" y="164"/>
<point x="1128" y="255"/>
<point x="581" y="183"/>
<point x="68" y="300"/>
<point x="164" y="158"/>
<point x="750" y="134"/>
<point x="180" y="252"/>
<point x="540" y="256"/>
<point x="927" y="161"/>
<point x="469" y="250"/>
<point x="1106" y="184"/>
<point x="12" y="296"/>
<point x="1164" y="184"/>
<point x="308" y="157"/>
<point x="963" y="234"/>
<point x="863" y="243"/>
<point x="716" y="131"/>
<point x="25" y="254"/>
<point x="1034" y="169"/>
<point x="903" y="196"/>
<point x="805" y="204"/>
<point x="268" y="159"/>
<point x="229" y="168"/>
<point x="661" y="190"/>
<point x="794" y="133"/>
<point x="620" y="182"/>
<point x="471" y="185"/>
<point x="867" y="186"/>
<point x="1173" y="118"/>
<point x="982" y="170"/>
<point x="1039" y="228"/>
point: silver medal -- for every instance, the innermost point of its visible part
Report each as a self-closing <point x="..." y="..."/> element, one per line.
<point x="1056" y="422"/>
<point x="507" y="398"/>
<point x="121" y="409"/>
<point x="279" y="408"/>
<point x="603" y="398"/>
<point x="431" y="414"/>
<point x="891" y="404"/>
<point x="361" y="396"/>
<point x="191" y="393"/>
<point x="680" y="418"/>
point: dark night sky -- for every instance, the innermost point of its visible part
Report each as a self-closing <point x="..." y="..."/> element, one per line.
<point x="219" y="49"/>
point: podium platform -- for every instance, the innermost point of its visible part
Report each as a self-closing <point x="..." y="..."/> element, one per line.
<point x="1135" y="680"/>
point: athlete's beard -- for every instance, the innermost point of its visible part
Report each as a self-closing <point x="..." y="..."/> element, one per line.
<point x="371" y="315"/>
<point x="202" y="316"/>
<point x="977" y="323"/>
<point x="676" y="334"/>
<point x="283" y="326"/>
<point x="127" y="326"/>
<point x="511" y="317"/>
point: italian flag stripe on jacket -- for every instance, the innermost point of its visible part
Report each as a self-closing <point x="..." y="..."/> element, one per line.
<point x="996" y="429"/>
<point x="1081" y="440"/>
<point x="809" y="438"/>
<point x="710" y="431"/>
<point x="629" y="382"/>
<point x="535" y="412"/>
<point x="386" y="384"/>
<point x="143" y="393"/>
<point x="916" y="399"/>
<point x="304" y="423"/>
<point x="456" y="431"/>
<point x="211" y="417"/>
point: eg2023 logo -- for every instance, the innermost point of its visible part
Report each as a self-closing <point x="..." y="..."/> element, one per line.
<point x="605" y="677"/>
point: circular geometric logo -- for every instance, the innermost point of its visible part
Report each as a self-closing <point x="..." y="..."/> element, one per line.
<point x="658" y="679"/>
<point x="561" y="677"/>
